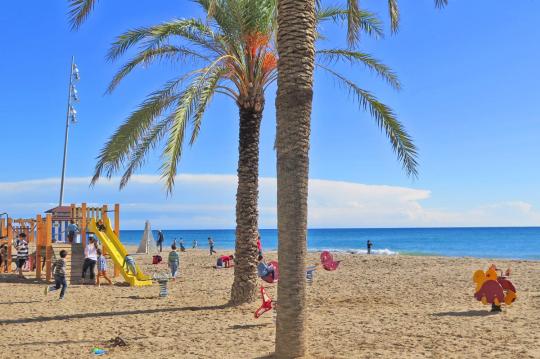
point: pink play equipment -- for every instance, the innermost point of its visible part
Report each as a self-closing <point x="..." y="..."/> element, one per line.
<point x="268" y="278"/>
<point x="328" y="262"/>
<point x="267" y="304"/>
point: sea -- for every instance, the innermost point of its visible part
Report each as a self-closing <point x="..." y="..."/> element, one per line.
<point x="507" y="242"/>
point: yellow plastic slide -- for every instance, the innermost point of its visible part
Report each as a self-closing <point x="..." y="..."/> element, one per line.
<point x="116" y="250"/>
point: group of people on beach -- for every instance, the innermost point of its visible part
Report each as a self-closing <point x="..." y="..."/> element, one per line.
<point x="93" y="256"/>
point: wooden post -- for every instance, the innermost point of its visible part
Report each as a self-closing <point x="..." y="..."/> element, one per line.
<point x="117" y="232"/>
<point x="83" y="225"/>
<point x="48" y="246"/>
<point x="10" y="242"/>
<point x="104" y="217"/>
<point x="39" y="245"/>
<point x="104" y="210"/>
<point x="31" y="232"/>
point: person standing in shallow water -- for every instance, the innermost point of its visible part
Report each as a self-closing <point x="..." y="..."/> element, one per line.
<point x="369" y="245"/>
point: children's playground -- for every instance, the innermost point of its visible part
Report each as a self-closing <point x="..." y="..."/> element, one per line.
<point x="47" y="235"/>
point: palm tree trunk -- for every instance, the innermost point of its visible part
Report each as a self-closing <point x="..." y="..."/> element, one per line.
<point x="245" y="270"/>
<point x="296" y="48"/>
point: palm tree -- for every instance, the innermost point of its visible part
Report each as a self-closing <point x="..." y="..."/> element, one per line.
<point x="231" y="54"/>
<point x="296" y="38"/>
<point x="234" y="55"/>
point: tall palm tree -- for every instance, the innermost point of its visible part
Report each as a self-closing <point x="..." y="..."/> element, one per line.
<point x="296" y="38"/>
<point x="233" y="54"/>
<point x="230" y="54"/>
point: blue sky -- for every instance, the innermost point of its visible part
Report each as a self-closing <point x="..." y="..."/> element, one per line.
<point x="469" y="99"/>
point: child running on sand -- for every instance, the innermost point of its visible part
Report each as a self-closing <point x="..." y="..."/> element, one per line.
<point x="129" y="264"/>
<point x="59" y="270"/>
<point x="102" y="268"/>
<point x="174" y="261"/>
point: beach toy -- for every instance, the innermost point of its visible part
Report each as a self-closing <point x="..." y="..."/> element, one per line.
<point x="493" y="289"/>
<point x="98" y="351"/>
<point x="267" y="304"/>
<point x="163" y="280"/>
<point x="328" y="262"/>
<point x="268" y="278"/>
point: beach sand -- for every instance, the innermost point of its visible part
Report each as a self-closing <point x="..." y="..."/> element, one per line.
<point x="372" y="307"/>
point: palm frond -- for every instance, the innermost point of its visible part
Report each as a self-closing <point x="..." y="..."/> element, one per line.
<point x="186" y="105"/>
<point x="353" y="22"/>
<point x="147" y="143"/>
<point x="206" y="94"/>
<point x="164" y="52"/>
<point x="79" y="10"/>
<point x="128" y="134"/>
<point x="441" y="3"/>
<point x="393" y="11"/>
<point x="189" y="29"/>
<point x="368" y="22"/>
<point x="332" y="55"/>
<point x="400" y="140"/>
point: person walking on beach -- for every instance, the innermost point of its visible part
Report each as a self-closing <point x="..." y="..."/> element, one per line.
<point x="160" y="240"/>
<point x="194" y="244"/>
<point x="102" y="268"/>
<point x="369" y="245"/>
<point x="72" y="230"/>
<point x="22" y="252"/>
<point x="211" y="245"/>
<point x="174" y="261"/>
<point x="59" y="270"/>
<point x="90" y="259"/>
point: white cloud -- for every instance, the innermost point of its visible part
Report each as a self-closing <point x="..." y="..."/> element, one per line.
<point x="208" y="201"/>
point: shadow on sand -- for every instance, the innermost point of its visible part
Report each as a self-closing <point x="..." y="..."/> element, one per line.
<point x="469" y="313"/>
<point x="21" y="302"/>
<point x="110" y="314"/>
<point x="14" y="278"/>
<point x="248" y="326"/>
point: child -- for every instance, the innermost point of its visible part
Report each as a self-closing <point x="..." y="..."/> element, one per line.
<point x="174" y="261"/>
<point x="130" y="265"/>
<point x="223" y="261"/>
<point x="100" y="226"/>
<point x="59" y="270"/>
<point x="264" y="269"/>
<point x="22" y="252"/>
<point x="102" y="268"/>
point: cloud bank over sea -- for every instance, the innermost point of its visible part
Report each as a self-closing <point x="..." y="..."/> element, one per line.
<point x="207" y="201"/>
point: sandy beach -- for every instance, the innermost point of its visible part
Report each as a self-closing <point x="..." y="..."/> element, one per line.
<point x="372" y="307"/>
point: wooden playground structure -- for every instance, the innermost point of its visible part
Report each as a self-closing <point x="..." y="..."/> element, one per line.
<point x="46" y="236"/>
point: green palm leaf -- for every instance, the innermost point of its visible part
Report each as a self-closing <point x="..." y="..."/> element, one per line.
<point x="128" y="134"/>
<point x="79" y="11"/>
<point x="171" y="53"/>
<point x="354" y="57"/>
<point x="148" y="142"/>
<point x="401" y="141"/>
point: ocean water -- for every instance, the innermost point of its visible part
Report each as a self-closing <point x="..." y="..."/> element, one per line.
<point x="511" y="243"/>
